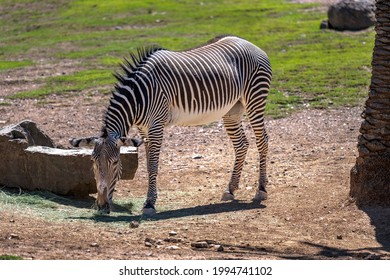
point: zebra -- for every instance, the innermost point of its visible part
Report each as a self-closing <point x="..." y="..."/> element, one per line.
<point x="157" y="88"/>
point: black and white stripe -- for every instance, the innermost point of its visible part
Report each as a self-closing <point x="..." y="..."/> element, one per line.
<point x="221" y="79"/>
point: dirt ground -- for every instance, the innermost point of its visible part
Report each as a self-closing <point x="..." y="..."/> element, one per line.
<point x="308" y="215"/>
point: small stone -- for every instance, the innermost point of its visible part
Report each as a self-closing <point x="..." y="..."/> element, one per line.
<point x="94" y="244"/>
<point x="324" y="24"/>
<point x="200" y="244"/>
<point x="159" y="242"/>
<point x="339" y="237"/>
<point x="173" y="247"/>
<point x="197" y="156"/>
<point x="173" y="240"/>
<point x="149" y="240"/>
<point x="148" y="244"/>
<point x="13" y="236"/>
<point x="219" y="248"/>
<point x="134" y="224"/>
<point x="12" y="221"/>
<point x="172" y="233"/>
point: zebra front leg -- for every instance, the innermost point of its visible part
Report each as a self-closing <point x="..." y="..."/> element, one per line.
<point x="152" y="156"/>
<point x="232" y="122"/>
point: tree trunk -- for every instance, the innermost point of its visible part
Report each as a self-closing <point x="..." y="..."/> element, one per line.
<point x="370" y="177"/>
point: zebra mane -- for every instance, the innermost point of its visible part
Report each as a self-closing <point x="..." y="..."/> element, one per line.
<point x="137" y="59"/>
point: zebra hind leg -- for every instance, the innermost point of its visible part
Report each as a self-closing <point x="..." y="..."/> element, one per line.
<point x="257" y="121"/>
<point x="233" y="126"/>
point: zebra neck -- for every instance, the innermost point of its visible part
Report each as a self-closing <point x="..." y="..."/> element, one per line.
<point x="118" y="118"/>
<point x="107" y="133"/>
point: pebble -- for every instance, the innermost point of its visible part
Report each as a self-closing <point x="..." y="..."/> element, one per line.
<point x="199" y="244"/>
<point x="94" y="244"/>
<point x="219" y="248"/>
<point x="173" y="240"/>
<point x="172" y="233"/>
<point x="197" y="156"/>
<point x="13" y="236"/>
<point x="134" y="224"/>
<point x="173" y="247"/>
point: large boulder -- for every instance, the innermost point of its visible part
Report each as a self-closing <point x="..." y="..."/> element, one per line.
<point x="351" y="15"/>
<point x="29" y="132"/>
<point x="30" y="161"/>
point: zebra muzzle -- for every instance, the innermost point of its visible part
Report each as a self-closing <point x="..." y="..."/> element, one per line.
<point x="104" y="209"/>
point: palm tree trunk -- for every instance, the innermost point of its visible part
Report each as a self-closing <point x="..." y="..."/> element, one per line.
<point x="370" y="177"/>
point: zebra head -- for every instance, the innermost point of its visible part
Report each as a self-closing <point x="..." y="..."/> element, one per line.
<point x="107" y="165"/>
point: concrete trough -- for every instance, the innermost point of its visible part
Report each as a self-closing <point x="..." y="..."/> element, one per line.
<point x="61" y="171"/>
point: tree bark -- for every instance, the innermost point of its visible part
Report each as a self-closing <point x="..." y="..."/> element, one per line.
<point x="370" y="177"/>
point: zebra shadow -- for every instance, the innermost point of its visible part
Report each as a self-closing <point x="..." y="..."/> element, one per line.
<point x="200" y="210"/>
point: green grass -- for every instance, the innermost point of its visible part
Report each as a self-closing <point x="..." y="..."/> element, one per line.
<point x="312" y="67"/>
<point x="76" y="82"/>
<point x="10" y="257"/>
<point x="57" y="208"/>
<point x="7" y="65"/>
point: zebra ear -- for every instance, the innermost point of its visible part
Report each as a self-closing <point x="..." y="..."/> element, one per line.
<point x="125" y="141"/>
<point x="83" y="142"/>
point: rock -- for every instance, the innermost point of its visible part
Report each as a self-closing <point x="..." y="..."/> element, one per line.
<point x="94" y="244"/>
<point x="219" y="248"/>
<point x="197" y="156"/>
<point x="351" y="15"/>
<point x="13" y="236"/>
<point x="173" y="240"/>
<point x="149" y="240"/>
<point x="134" y="224"/>
<point x="324" y="24"/>
<point x="61" y="171"/>
<point x="199" y="244"/>
<point x="27" y="130"/>
<point x="173" y="247"/>
<point x="172" y="233"/>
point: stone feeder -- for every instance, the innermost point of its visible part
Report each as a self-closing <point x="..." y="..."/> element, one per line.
<point x="29" y="160"/>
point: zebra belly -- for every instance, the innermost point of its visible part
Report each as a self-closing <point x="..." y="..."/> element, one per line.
<point x="185" y="118"/>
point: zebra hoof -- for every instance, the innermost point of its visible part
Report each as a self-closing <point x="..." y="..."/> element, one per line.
<point x="226" y="196"/>
<point x="260" y="196"/>
<point x="149" y="211"/>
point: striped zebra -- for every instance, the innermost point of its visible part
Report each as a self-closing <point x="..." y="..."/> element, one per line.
<point x="159" y="88"/>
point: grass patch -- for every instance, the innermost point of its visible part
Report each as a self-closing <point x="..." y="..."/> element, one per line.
<point x="8" y="65"/>
<point x="69" y="83"/>
<point x="57" y="208"/>
<point x="43" y="204"/>
<point x="10" y="257"/>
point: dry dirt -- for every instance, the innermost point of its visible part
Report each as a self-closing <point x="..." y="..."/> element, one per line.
<point x="308" y="215"/>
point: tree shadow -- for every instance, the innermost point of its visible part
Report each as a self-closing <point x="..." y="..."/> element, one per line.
<point x="216" y="208"/>
<point x="327" y="252"/>
<point x="380" y="219"/>
<point x="324" y="252"/>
